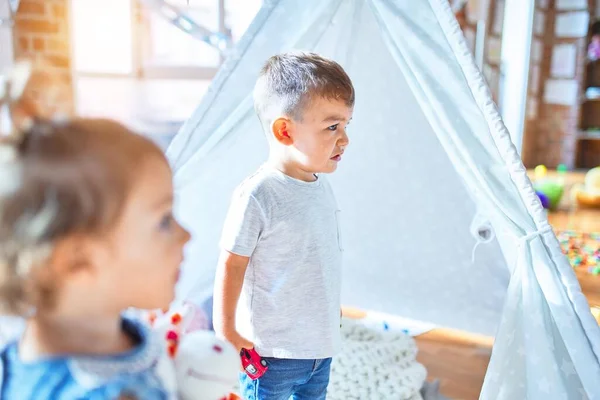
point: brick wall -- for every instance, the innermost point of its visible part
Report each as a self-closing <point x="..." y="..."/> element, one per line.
<point x="41" y="34"/>
<point x="553" y="124"/>
<point x="554" y="96"/>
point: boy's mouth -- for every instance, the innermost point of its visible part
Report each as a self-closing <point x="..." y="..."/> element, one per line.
<point x="337" y="157"/>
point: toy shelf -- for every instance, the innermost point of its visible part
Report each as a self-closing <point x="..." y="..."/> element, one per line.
<point x="588" y="138"/>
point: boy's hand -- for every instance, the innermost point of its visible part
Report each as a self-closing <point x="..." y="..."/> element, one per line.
<point x="228" y="285"/>
<point x="238" y="341"/>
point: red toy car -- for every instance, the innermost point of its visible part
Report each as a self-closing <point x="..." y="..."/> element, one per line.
<point x="253" y="364"/>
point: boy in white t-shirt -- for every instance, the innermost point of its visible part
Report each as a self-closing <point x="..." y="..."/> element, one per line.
<point x="281" y="245"/>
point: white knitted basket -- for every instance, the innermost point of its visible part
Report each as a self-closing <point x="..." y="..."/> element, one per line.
<point x="375" y="365"/>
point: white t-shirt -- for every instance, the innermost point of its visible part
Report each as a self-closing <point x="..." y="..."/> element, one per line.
<point x="290" y="301"/>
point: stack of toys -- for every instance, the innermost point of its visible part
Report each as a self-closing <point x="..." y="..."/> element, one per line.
<point x="582" y="250"/>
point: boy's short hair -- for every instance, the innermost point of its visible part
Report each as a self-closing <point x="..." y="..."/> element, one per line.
<point x="289" y="81"/>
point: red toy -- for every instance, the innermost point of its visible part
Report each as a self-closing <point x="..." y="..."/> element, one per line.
<point x="253" y="364"/>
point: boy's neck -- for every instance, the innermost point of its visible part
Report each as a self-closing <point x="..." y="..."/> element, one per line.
<point x="291" y="169"/>
<point x="45" y="337"/>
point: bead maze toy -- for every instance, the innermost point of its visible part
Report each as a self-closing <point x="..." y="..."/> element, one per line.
<point x="582" y="249"/>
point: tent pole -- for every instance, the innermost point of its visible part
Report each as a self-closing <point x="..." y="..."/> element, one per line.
<point x="480" y="43"/>
<point x="222" y="29"/>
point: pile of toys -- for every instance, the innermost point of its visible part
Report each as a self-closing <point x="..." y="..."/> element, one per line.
<point x="550" y="191"/>
<point x="582" y="249"/>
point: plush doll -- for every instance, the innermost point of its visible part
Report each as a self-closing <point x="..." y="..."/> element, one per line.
<point x="206" y="368"/>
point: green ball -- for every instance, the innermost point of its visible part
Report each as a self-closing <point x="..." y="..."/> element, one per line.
<point x="596" y="271"/>
<point x="552" y="190"/>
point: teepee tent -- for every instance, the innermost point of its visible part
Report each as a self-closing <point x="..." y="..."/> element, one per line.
<point x="439" y="220"/>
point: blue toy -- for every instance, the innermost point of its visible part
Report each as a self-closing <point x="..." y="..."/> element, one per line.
<point x="544" y="199"/>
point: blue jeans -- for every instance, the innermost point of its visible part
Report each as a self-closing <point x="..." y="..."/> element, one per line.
<point x="288" y="379"/>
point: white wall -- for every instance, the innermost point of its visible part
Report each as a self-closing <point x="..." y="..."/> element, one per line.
<point x="516" y="49"/>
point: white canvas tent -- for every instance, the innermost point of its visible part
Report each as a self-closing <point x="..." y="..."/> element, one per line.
<point x="430" y="164"/>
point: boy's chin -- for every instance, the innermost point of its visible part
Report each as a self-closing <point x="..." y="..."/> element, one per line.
<point x="327" y="168"/>
<point x="331" y="167"/>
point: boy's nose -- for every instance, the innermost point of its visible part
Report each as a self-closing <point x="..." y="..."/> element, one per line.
<point x="344" y="140"/>
<point x="185" y="236"/>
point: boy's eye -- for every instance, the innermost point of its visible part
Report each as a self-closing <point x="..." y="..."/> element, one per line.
<point x="333" y="127"/>
<point x="166" y="222"/>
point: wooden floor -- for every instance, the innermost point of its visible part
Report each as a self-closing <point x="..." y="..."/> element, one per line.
<point x="459" y="360"/>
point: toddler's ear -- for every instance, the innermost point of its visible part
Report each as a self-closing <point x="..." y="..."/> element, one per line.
<point x="282" y="131"/>
<point x="72" y="255"/>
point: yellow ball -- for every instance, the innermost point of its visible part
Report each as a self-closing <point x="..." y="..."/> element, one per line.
<point x="540" y="171"/>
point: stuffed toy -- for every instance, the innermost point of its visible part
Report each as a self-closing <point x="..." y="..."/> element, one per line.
<point x="206" y="368"/>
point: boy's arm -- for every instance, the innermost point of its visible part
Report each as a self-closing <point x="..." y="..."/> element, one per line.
<point x="242" y="229"/>
<point x="228" y="286"/>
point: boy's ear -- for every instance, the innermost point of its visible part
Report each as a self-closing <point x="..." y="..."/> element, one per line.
<point x="281" y="130"/>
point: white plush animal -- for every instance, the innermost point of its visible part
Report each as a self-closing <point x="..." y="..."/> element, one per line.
<point x="206" y="368"/>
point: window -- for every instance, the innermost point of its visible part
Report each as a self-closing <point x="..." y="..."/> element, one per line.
<point x="239" y="15"/>
<point x="152" y="44"/>
<point x="102" y="36"/>
<point x="175" y="34"/>
<point x="156" y="39"/>
<point x="171" y="46"/>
